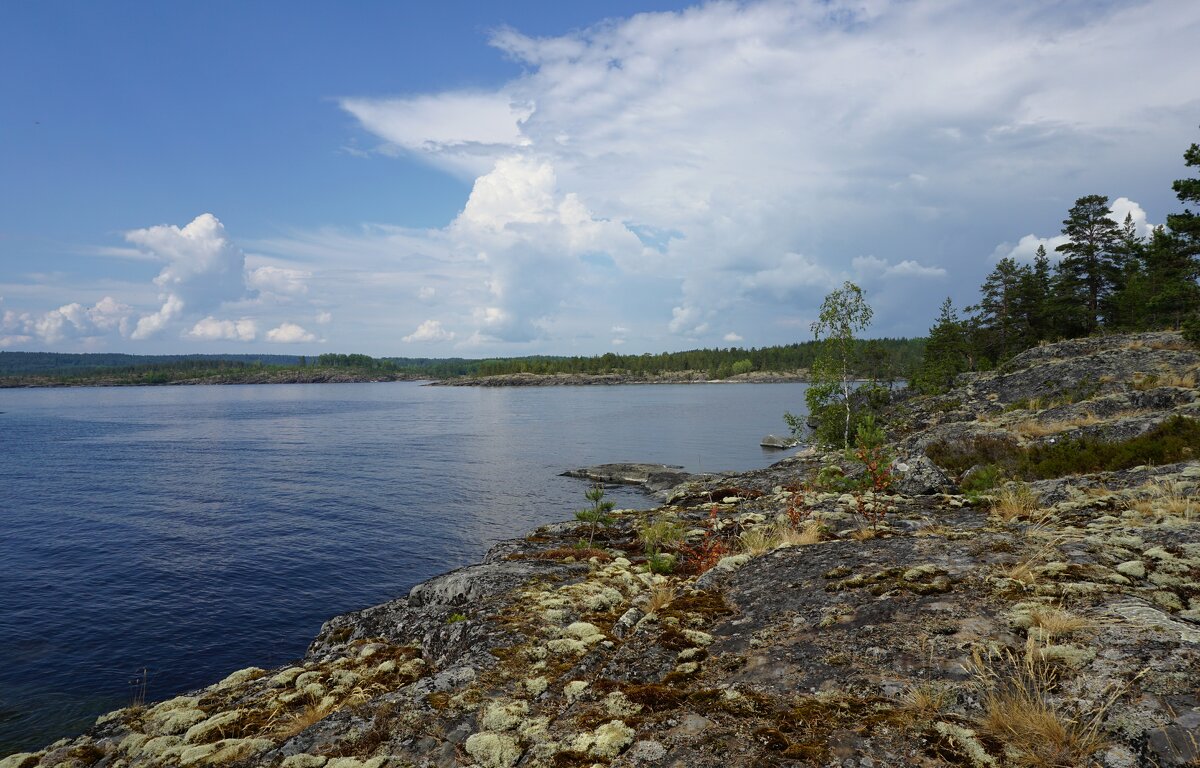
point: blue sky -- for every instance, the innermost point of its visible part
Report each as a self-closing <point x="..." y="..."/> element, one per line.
<point x="480" y="178"/>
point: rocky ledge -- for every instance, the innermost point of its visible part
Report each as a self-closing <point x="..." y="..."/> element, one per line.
<point x="774" y="623"/>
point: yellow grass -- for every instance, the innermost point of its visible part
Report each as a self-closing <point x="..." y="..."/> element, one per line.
<point x="1019" y="713"/>
<point x="1162" y="499"/>
<point x="660" y="596"/>
<point x="1016" y="501"/>
<point x="1034" y="428"/>
<point x="1057" y="622"/>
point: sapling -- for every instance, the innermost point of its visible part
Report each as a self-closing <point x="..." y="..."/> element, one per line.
<point x="597" y="515"/>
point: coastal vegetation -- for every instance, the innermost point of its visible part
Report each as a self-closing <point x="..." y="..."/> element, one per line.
<point x="1110" y="279"/>
<point x="883" y="359"/>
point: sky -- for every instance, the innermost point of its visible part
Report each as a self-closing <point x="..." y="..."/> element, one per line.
<point x="471" y="179"/>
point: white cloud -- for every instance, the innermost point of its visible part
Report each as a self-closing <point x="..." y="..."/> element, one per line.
<point x="148" y="325"/>
<point x="279" y="280"/>
<point x="203" y="269"/>
<point x="1026" y="248"/>
<point x="429" y="330"/>
<point x="212" y="329"/>
<point x="324" y="318"/>
<point x="1122" y="207"/>
<point x="732" y="337"/>
<point x="289" y="333"/>
<point x="458" y="127"/>
<point x="775" y="142"/>
<point x="426" y="293"/>
<point x="869" y="268"/>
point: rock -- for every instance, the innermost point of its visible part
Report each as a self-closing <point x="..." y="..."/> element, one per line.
<point x="628" y="473"/>
<point x="775" y="441"/>
<point x="917" y="475"/>
<point x="474" y="582"/>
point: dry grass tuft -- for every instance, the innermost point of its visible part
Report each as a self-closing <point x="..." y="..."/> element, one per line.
<point x="757" y="541"/>
<point x="1057" y="622"/>
<point x="1162" y="499"/>
<point x="1017" y="501"/>
<point x="925" y="701"/>
<point x="1034" y="428"/>
<point x="1019" y="712"/>
<point x="660" y="596"/>
<point x="863" y="534"/>
<point x="810" y="532"/>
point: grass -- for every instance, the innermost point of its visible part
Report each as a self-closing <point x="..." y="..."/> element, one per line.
<point x="1166" y="499"/>
<point x="1034" y="428"/>
<point x="1016" y="501"/>
<point x="925" y="701"/>
<point x="1058" y="622"/>
<point x="1020" y="712"/>
<point x="660" y="596"/>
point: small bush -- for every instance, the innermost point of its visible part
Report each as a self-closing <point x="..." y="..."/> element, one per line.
<point x="1177" y="439"/>
<point x="1191" y="330"/>
<point x="660" y="562"/>
<point x="984" y="479"/>
<point x="960" y="456"/>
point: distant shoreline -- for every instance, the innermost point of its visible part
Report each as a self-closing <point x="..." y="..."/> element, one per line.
<point x="343" y="377"/>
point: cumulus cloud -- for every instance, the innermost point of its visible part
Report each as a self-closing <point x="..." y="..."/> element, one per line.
<point x="203" y="269"/>
<point x="1026" y="248"/>
<point x="741" y="157"/>
<point x="212" y="329"/>
<point x="68" y="322"/>
<point x="324" y="318"/>
<point x="429" y="330"/>
<point x="732" y="337"/>
<point x="289" y="333"/>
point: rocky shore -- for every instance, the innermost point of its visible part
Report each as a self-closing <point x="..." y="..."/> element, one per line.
<point x="769" y="618"/>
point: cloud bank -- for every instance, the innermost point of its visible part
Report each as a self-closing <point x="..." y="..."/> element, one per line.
<point x="679" y="175"/>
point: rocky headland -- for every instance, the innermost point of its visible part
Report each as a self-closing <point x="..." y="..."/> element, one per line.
<point x="946" y="615"/>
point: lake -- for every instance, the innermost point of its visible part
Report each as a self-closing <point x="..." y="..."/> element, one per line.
<point x="193" y="531"/>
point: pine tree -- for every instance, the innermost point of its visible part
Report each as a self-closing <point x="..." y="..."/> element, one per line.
<point x="1035" y="298"/>
<point x="947" y="353"/>
<point x="1001" y="319"/>
<point x="1087" y="271"/>
<point x="1125" y="307"/>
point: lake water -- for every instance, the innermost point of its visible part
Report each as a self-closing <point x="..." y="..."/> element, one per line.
<point x="193" y="531"/>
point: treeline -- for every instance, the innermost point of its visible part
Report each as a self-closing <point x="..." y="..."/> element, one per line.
<point x="882" y="359"/>
<point x="66" y="362"/>
<point x="878" y="359"/>
<point x="1109" y="279"/>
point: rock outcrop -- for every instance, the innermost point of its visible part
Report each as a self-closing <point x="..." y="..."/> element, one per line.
<point x="765" y="619"/>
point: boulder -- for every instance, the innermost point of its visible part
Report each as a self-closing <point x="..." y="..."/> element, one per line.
<point x="775" y="441"/>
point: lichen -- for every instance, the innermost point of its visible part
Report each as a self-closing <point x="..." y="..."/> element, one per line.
<point x="493" y="750"/>
<point x="503" y="716"/>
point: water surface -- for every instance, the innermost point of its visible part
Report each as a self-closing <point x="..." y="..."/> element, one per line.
<point x="193" y="531"/>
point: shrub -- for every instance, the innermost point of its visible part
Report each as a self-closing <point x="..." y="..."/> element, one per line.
<point x="1176" y="439"/>
<point x="960" y="456"/>
<point x="871" y="451"/>
<point x="1191" y="329"/>
<point x="984" y="479"/>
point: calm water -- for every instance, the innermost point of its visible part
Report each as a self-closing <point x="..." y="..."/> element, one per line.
<point x="192" y="531"/>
